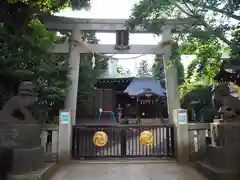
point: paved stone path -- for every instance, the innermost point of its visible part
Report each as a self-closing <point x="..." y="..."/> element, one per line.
<point x="127" y="171"/>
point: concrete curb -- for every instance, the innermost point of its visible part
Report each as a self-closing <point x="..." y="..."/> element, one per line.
<point x="41" y="174"/>
<point x="124" y="161"/>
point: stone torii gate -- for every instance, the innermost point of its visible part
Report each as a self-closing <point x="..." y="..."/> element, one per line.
<point x="76" y="46"/>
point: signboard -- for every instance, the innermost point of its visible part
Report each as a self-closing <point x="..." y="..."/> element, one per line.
<point x="180" y="116"/>
<point x="65" y="116"/>
<point x="146" y="101"/>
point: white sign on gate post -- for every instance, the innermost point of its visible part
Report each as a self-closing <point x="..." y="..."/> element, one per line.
<point x="64" y="116"/>
<point x="65" y="130"/>
<point x="180" y="116"/>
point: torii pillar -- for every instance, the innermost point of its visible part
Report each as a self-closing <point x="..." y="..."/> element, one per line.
<point x="74" y="63"/>
<point x="181" y="139"/>
<point x="65" y="129"/>
<point x="172" y="89"/>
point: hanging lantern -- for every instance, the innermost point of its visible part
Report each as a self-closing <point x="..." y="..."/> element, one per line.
<point x="100" y="139"/>
<point x="122" y="39"/>
<point x="148" y="92"/>
<point x="146" y="138"/>
<point x="148" y="95"/>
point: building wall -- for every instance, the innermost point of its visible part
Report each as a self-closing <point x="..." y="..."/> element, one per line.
<point x="105" y="99"/>
<point x="90" y="101"/>
<point x="86" y="104"/>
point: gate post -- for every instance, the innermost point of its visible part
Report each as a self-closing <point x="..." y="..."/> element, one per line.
<point x="64" y="137"/>
<point x="170" y="71"/>
<point x="74" y="63"/>
<point x="181" y="135"/>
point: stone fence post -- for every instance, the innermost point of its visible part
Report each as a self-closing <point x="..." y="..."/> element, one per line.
<point x="181" y="135"/>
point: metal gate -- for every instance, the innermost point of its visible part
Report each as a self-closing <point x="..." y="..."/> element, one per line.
<point x="123" y="141"/>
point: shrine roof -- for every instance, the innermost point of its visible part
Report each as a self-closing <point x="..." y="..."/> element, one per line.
<point x="106" y="75"/>
<point x="141" y="86"/>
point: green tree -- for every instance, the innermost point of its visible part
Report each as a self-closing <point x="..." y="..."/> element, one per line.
<point x="124" y="72"/>
<point x="158" y="65"/>
<point x="235" y="44"/>
<point x="213" y="17"/>
<point x="16" y="14"/>
<point x="200" y="39"/>
<point x="143" y="69"/>
<point x="207" y="58"/>
<point x="194" y="95"/>
<point x="27" y="57"/>
<point x="158" y="68"/>
<point x="198" y="97"/>
<point x="86" y="82"/>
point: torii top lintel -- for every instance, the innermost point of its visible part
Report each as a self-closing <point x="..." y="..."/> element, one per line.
<point x="59" y="23"/>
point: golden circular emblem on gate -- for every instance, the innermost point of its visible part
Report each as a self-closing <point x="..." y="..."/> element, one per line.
<point x="100" y="138"/>
<point x="146" y="138"/>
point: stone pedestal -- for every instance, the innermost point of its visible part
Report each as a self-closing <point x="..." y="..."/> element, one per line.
<point x="224" y="158"/>
<point x="24" y="146"/>
<point x="223" y="155"/>
<point x="182" y="143"/>
<point x="181" y="138"/>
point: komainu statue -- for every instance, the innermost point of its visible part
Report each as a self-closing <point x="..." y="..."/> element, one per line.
<point x="222" y="160"/>
<point x="226" y="101"/>
<point x="15" y="111"/>
<point x="20" y="143"/>
<point x="226" y="94"/>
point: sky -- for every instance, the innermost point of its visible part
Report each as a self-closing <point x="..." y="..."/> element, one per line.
<point x="116" y="9"/>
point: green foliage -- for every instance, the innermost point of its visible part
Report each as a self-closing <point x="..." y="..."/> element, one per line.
<point x="27" y="57"/>
<point x="87" y="74"/>
<point x="207" y="58"/>
<point x="87" y="79"/>
<point x="52" y="6"/>
<point x="235" y="47"/>
<point x="199" y="98"/>
<point x="210" y="16"/>
<point x="200" y="39"/>
<point x="124" y="72"/>
<point x="15" y="14"/>
<point x="205" y="65"/>
<point x="158" y="66"/>
<point x="143" y="69"/>
<point x="25" y="45"/>
<point x="192" y="93"/>
<point x="176" y="58"/>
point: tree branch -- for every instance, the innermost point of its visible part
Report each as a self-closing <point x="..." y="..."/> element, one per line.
<point x="215" y="33"/>
<point x="215" y="9"/>
<point x="229" y="14"/>
<point x="185" y="3"/>
<point x="173" y="2"/>
<point x="203" y="22"/>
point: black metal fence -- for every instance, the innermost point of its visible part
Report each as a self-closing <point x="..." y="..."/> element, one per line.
<point x="123" y="141"/>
